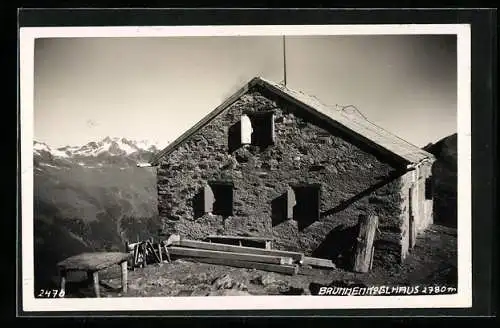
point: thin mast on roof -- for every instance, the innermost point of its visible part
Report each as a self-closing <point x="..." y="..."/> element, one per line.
<point x="284" y="62"/>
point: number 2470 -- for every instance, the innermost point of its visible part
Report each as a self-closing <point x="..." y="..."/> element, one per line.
<point x="51" y="293"/>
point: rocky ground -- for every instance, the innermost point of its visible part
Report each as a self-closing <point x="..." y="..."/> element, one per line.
<point x="432" y="262"/>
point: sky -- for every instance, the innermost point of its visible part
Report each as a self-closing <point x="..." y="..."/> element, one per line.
<point x="156" y="88"/>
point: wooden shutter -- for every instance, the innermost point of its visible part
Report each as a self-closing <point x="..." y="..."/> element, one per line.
<point x="246" y="130"/>
<point x="208" y="199"/>
<point x="272" y="132"/>
<point x="290" y="202"/>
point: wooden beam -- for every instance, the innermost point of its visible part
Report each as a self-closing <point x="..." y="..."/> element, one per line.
<point x="191" y="252"/>
<point x="364" y="249"/>
<point x="317" y="262"/>
<point x="298" y="257"/>
<point x="250" y="238"/>
<point x="285" y="269"/>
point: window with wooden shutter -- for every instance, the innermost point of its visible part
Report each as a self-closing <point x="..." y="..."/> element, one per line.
<point x="307" y="203"/>
<point x="220" y="195"/>
<point x="263" y="128"/>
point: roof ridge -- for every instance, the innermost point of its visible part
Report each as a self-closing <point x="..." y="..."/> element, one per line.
<point x="358" y="125"/>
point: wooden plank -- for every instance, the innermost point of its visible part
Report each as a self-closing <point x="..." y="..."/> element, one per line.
<point x="251" y="238"/>
<point x="364" y="249"/>
<point x="285" y="269"/>
<point x="298" y="257"/>
<point x="317" y="262"/>
<point x="191" y="252"/>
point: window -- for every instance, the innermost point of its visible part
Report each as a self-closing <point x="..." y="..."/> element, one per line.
<point x="253" y="128"/>
<point x="218" y="198"/>
<point x="257" y="128"/>
<point x="428" y="188"/>
<point x="303" y="204"/>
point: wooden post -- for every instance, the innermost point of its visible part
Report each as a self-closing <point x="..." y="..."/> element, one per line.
<point x="160" y="253"/>
<point x="166" y="252"/>
<point x="95" y="276"/>
<point x="62" y="273"/>
<point x="124" y="276"/>
<point x="364" y="249"/>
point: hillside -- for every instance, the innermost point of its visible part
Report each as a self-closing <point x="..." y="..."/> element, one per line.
<point x="444" y="172"/>
<point x="92" y="197"/>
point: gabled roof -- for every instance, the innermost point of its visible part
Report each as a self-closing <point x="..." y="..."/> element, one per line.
<point x="352" y="123"/>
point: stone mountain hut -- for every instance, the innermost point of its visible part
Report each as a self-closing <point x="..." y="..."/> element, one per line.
<point x="273" y="162"/>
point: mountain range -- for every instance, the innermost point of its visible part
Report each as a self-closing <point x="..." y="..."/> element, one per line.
<point x="90" y="197"/>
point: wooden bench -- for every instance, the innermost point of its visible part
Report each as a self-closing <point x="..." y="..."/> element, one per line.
<point x="240" y="240"/>
<point x="92" y="263"/>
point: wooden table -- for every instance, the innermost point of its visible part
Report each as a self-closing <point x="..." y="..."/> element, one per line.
<point x="92" y="263"/>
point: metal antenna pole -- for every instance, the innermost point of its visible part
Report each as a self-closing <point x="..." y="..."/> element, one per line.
<point x="284" y="61"/>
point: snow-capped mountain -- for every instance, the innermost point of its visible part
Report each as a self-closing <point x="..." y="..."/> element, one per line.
<point x="110" y="146"/>
<point x="108" y="151"/>
<point x="91" y="197"/>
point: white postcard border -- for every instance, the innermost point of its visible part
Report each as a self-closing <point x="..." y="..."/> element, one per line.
<point x="462" y="299"/>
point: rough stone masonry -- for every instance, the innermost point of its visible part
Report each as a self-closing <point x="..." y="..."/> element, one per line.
<point x="350" y="178"/>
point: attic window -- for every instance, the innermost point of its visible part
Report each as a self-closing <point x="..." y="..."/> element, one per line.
<point x="218" y="198"/>
<point x="257" y="128"/>
<point x="303" y="204"/>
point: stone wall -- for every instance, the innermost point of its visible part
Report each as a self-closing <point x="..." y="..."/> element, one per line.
<point x="352" y="180"/>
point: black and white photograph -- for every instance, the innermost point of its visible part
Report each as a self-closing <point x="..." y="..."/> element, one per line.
<point x="279" y="167"/>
